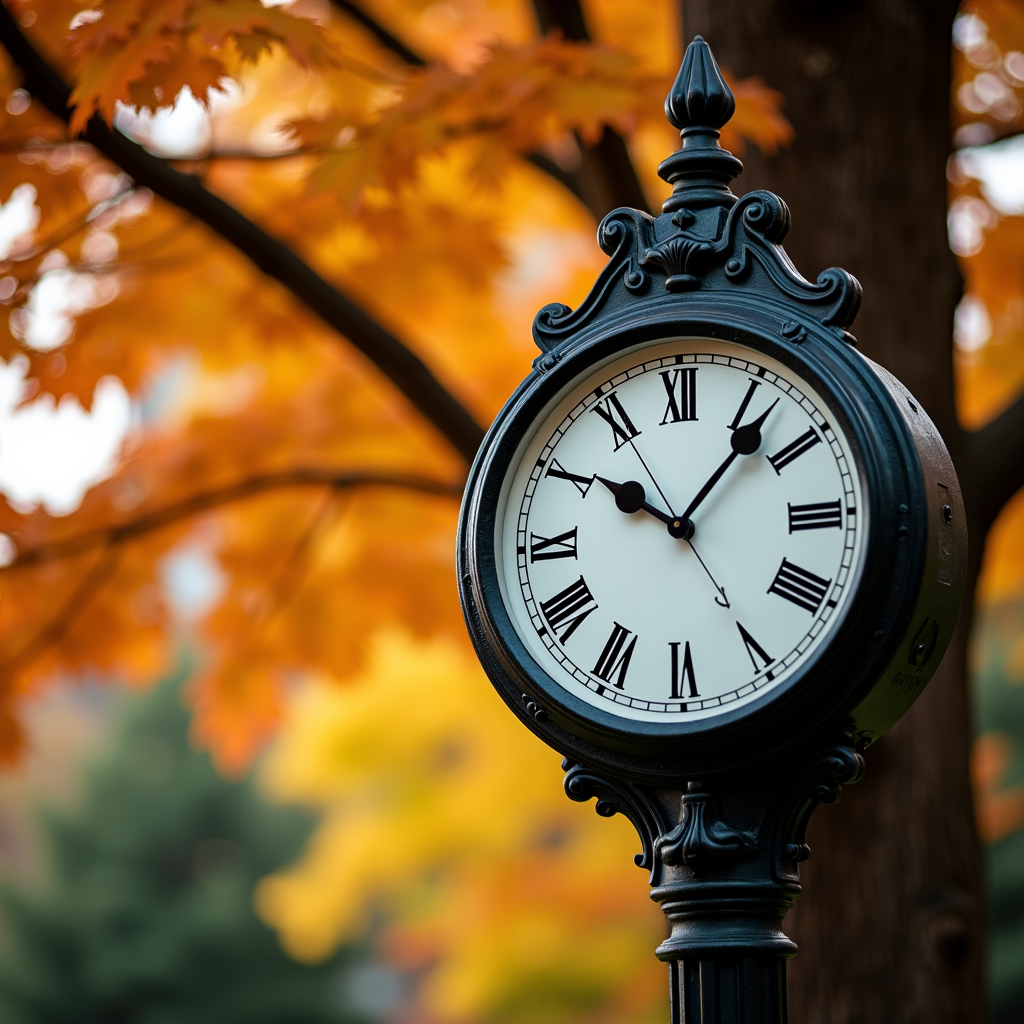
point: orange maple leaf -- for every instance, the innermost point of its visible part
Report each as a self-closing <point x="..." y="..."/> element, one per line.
<point x="143" y="52"/>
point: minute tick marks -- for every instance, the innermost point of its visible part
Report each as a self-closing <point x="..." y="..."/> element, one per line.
<point x="720" y="524"/>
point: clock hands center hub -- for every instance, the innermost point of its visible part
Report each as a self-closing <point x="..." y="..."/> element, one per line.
<point x="630" y="497"/>
<point x="681" y="529"/>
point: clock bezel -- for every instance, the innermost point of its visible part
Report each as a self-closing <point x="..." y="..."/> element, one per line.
<point x="836" y="677"/>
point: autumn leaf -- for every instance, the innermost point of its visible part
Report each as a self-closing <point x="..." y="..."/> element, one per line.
<point x="1000" y="809"/>
<point x="143" y="52"/>
<point x="758" y="118"/>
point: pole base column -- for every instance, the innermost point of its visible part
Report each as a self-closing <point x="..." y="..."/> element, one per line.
<point x="727" y="990"/>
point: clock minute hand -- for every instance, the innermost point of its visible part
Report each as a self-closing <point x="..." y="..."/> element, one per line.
<point x="712" y="480"/>
<point x="745" y="440"/>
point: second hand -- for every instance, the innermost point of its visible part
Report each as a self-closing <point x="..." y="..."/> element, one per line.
<point x="724" y="603"/>
<point x="657" y="486"/>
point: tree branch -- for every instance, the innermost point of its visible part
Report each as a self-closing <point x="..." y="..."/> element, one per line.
<point x="380" y="33"/>
<point x="567" y="179"/>
<point x="149" y="522"/>
<point x="402" y="366"/>
<point x="992" y="464"/>
<point x="54" y="630"/>
<point x="606" y="178"/>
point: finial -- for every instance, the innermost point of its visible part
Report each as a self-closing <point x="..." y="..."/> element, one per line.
<point x="699" y="103"/>
<point x="699" y="95"/>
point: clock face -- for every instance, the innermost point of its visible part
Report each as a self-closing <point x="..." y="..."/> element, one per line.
<point x="682" y="532"/>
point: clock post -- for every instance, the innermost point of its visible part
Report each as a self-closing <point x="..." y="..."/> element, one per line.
<point x="723" y="858"/>
<point x="712" y="670"/>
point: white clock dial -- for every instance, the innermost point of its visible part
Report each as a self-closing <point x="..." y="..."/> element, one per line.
<point x="649" y="613"/>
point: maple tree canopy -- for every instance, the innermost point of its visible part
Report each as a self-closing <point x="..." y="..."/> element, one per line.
<point x="315" y="419"/>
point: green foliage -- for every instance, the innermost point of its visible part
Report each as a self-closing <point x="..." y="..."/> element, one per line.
<point x="1005" y="863"/>
<point x="146" y="914"/>
<point x="999" y="775"/>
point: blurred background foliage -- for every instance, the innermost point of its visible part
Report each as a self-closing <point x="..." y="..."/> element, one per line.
<point x="145" y="912"/>
<point x="521" y="906"/>
<point x="998" y="771"/>
<point x="205" y="490"/>
<point x="986" y="227"/>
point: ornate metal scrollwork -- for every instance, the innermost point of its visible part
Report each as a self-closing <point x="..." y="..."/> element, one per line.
<point x="754" y="230"/>
<point x="819" y="780"/>
<point x="682" y="259"/>
<point x="751" y="235"/>
<point x="706" y="238"/>
<point x="617" y="797"/>
<point x="839" y="766"/>
<point x="623" y="234"/>
<point x="704" y="838"/>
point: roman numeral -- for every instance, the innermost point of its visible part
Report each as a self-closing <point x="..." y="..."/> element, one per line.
<point x="822" y="516"/>
<point x="755" y="651"/>
<point x="562" y="546"/>
<point x="611" y="411"/>
<point x="559" y="472"/>
<point x="738" y="418"/>
<point x="681" y="388"/>
<point x="568" y="609"/>
<point x="798" y="585"/>
<point x="781" y="459"/>
<point x="615" y="656"/>
<point x="686" y="676"/>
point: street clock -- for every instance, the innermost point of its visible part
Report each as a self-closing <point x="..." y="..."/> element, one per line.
<point x="706" y="540"/>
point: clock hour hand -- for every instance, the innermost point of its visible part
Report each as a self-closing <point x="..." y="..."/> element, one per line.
<point x="631" y="497"/>
<point x="745" y="440"/>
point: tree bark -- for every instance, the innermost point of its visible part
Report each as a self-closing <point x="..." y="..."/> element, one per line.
<point x="890" y="924"/>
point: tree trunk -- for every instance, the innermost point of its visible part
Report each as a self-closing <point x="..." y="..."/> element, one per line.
<point x="889" y="925"/>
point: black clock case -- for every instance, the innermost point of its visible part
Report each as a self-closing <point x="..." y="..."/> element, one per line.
<point x="901" y="615"/>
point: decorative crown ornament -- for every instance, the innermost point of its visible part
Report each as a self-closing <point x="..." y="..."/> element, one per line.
<point x="699" y="95"/>
<point x="706" y="238"/>
<point x="699" y="104"/>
